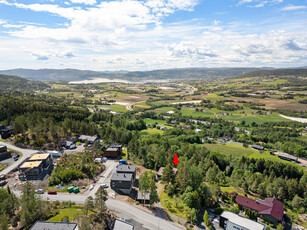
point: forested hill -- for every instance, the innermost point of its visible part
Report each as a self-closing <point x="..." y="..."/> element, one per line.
<point x="277" y="72"/>
<point x="19" y="83"/>
<point x="76" y="75"/>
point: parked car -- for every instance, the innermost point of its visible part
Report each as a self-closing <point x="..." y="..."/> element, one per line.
<point x="2" y="183"/>
<point x="52" y="192"/>
<point x="39" y="191"/>
<point x="15" y="157"/>
<point x="104" y="185"/>
<point x="91" y="187"/>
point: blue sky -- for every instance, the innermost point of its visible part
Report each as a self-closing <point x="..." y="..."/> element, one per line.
<point x="152" y="34"/>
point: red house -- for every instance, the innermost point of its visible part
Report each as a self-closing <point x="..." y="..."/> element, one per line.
<point x="270" y="209"/>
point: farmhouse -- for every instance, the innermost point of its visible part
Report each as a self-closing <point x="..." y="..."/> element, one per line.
<point x="113" y="150"/>
<point x="42" y="225"/>
<point x="286" y="157"/>
<point x="258" y="147"/>
<point x="270" y="209"/>
<point x="5" y="131"/>
<point x="122" y="182"/>
<point x="127" y="169"/>
<point x="4" y="153"/>
<point x="232" y="221"/>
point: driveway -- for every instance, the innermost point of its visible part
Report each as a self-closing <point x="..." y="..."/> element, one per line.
<point x="25" y="154"/>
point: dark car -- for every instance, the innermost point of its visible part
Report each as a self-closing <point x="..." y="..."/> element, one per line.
<point x="52" y="192"/>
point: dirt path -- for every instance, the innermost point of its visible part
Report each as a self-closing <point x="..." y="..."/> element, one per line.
<point x="302" y="120"/>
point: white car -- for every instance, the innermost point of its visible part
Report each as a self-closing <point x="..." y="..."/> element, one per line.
<point x="104" y="185"/>
<point x="91" y="187"/>
<point x="39" y="191"/>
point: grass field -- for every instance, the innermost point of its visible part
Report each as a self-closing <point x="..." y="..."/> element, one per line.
<point x="174" y="205"/>
<point x="239" y="151"/>
<point x="72" y="214"/>
<point x="125" y="154"/>
<point x="152" y="131"/>
<point x="152" y="121"/>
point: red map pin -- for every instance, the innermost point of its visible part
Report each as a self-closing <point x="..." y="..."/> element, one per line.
<point x="175" y="161"/>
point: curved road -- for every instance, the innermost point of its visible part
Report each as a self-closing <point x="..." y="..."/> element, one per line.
<point x="25" y="154"/>
<point x="126" y="210"/>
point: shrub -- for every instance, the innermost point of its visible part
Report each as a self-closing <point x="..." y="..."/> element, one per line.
<point x="218" y="210"/>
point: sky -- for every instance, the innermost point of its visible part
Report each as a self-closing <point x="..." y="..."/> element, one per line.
<point x="152" y="34"/>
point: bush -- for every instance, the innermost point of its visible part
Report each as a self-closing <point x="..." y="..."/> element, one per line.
<point x="137" y="203"/>
<point x="218" y="210"/>
<point x="234" y="209"/>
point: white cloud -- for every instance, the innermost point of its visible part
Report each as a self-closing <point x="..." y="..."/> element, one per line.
<point x="259" y="3"/>
<point x="292" y="7"/>
<point x="86" y="2"/>
<point x="2" y="21"/>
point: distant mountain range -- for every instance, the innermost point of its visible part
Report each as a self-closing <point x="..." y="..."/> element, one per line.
<point x="185" y="73"/>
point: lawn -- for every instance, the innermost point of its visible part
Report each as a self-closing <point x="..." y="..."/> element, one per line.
<point x="125" y="154"/>
<point x="2" y="167"/>
<point x="174" y="205"/>
<point x="239" y="151"/>
<point x="195" y="114"/>
<point x="152" y="121"/>
<point x="231" y="149"/>
<point x="152" y="131"/>
<point x="72" y="214"/>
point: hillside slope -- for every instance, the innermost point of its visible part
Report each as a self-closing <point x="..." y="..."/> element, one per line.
<point x="19" y="83"/>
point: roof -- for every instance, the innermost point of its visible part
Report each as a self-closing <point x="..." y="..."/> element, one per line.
<point x="243" y="222"/>
<point x="270" y="206"/>
<point x="89" y="138"/>
<point x="36" y="157"/>
<point x="115" y="145"/>
<point x="126" y="168"/>
<point x="6" y="128"/>
<point x="160" y="172"/>
<point x="31" y="164"/>
<point x="121" y="177"/>
<point x="141" y="196"/>
<point x="41" y="225"/>
<point x="122" y="225"/>
<point x="112" y="149"/>
<point x="276" y="209"/>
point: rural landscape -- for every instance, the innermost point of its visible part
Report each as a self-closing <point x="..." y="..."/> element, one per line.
<point x="185" y="153"/>
<point x="153" y="115"/>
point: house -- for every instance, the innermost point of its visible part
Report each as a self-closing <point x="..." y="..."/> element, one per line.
<point x="197" y="130"/>
<point x="287" y="157"/>
<point x="122" y="182"/>
<point x="90" y="139"/>
<point x="4" y="153"/>
<point x="127" y="169"/>
<point x="186" y="127"/>
<point x="232" y="221"/>
<point x="45" y="158"/>
<point x="207" y="139"/>
<point x="258" y="147"/>
<point x="120" y="224"/>
<point x="163" y="128"/>
<point x="69" y="144"/>
<point x="160" y="172"/>
<point x="42" y="225"/>
<point x="5" y="131"/>
<point x="143" y="198"/>
<point x="31" y="170"/>
<point x="270" y="209"/>
<point x="113" y="151"/>
<point x="221" y="140"/>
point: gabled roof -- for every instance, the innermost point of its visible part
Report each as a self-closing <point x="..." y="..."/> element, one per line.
<point x="122" y="225"/>
<point x="242" y="221"/>
<point x="126" y="168"/>
<point x="41" y="225"/>
<point x="121" y="177"/>
<point x="270" y="206"/>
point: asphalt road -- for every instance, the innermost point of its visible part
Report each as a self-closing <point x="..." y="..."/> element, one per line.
<point x="126" y="210"/>
<point x="25" y="154"/>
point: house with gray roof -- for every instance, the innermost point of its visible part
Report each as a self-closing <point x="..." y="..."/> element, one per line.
<point x="127" y="169"/>
<point x="122" y="182"/>
<point x="120" y="224"/>
<point x="42" y="225"/>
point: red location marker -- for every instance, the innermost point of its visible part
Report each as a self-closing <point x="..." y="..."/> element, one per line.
<point x="175" y="161"/>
